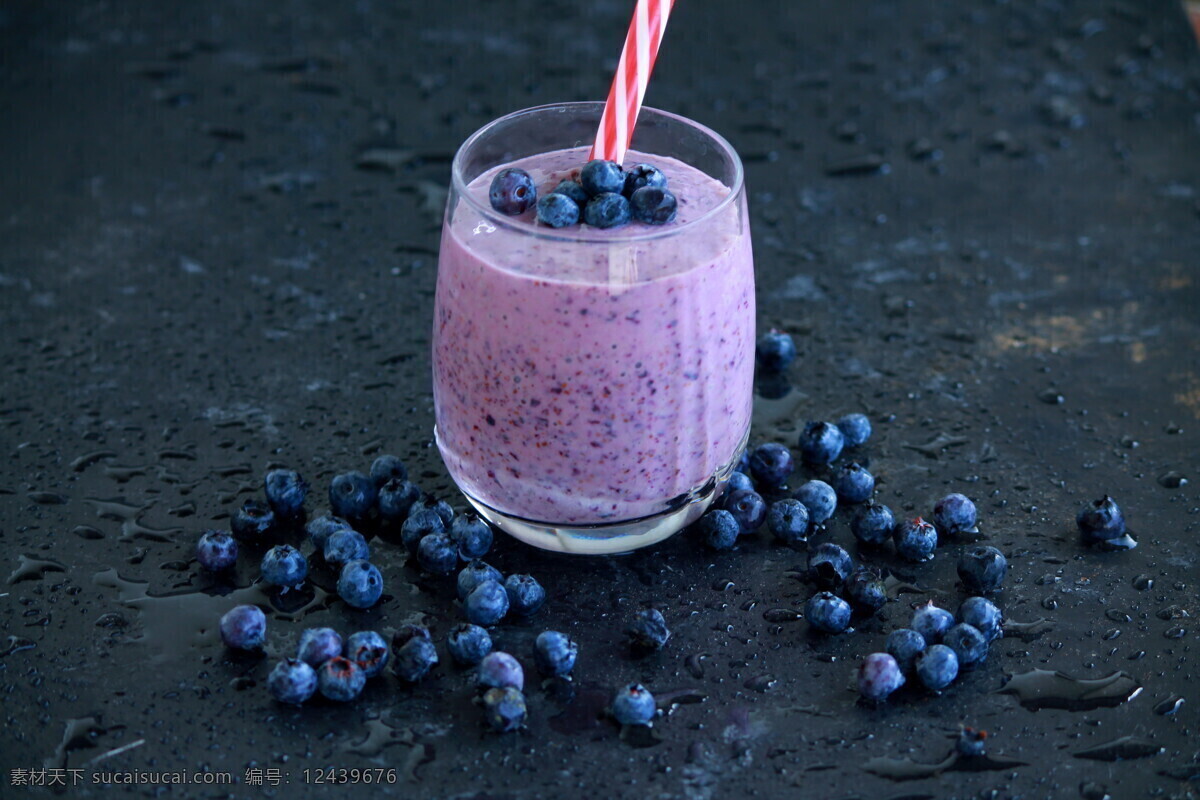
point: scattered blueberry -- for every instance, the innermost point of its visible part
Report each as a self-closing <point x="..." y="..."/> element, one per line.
<point x="954" y="514"/>
<point x="475" y="573"/>
<point x="284" y="565"/>
<point x="319" y="528"/>
<point x="244" y="628"/>
<point x="771" y="464"/>
<point x="387" y="468"/>
<point x="718" y="529"/>
<point x="573" y="190"/>
<point x="788" y="522"/>
<point x="318" y="645"/>
<point x="414" y="659"/>
<point x="865" y="590"/>
<point x="557" y="210"/>
<point x="737" y="482"/>
<point x="653" y="206"/>
<point x="855" y="428"/>
<point x="971" y="742"/>
<point x="345" y="545"/>
<point x="396" y="498"/>
<point x="404" y="633"/>
<point x="853" y="484"/>
<point x="340" y="679"/>
<point x="512" y="191"/>
<point x="931" y="622"/>
<point x="285" y="491"/>
<point x="504" y="709"/>
<point x="827" y="612"/>
<point x="420" y="523"/>
<point x="1101" y="520"/>
<point x="915" y="539"/>
<point x="486" y="604"/>
<point x="983" y="615"/>
<point x="821" y="443"/>
<point x="468" y="644"/>
<point x="440" y="507"/>
<point x="904" y="645"/>
<point x="634" y="705"/>
<point x="648" y="631"/>
<point x="819" y="498"/>
<point x="601" y="177"/>
<point x="216" y="550"/>
<point x="643" y="175"/>
<point x="525" y="594"/>
<point x="775" y="350"/>
<point x="878" y="676"/>
<point x="472" y="534"/>
<point x="292" y="681"/>
<point x="254" y="523"/>
<point x="748" y="510"/>
<point x="499" y="670"/>
<point x="937" y="667"/>
<point x="360" y="584"/>
<point x="982" y="569"/>
<point x="968" y="644"/>
<point x="873" y="524"/>
<point x="352" y="496"/>
<point x="554" y="653"/>
<point x="829" y="565"/>
<point x="369" y="651"/>
<point x="437" y="553"/>
<point x="607" y="210"/>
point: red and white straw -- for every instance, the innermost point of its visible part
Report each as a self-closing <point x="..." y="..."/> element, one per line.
<point x="633" y="74"/>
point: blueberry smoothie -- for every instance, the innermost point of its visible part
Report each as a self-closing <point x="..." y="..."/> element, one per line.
<point x="593" y="376"/>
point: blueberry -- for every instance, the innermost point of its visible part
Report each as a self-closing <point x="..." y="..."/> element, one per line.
<point x="420" y="523"/>
<point x="821" y="443"/>
<point x="971" y="743"/>
<point x="648" y="631"/>
<point x="512" y="191"/>
<point x="737" y="482"/>
<point x="486" y="604"/>
<point x="292" y="681"/>
<point x="607" y="210"/>
<point x="369" y="651"/>
<point x="915" y="539"/>
<point x="475" y="573"/>
<point x="360" y="584"/>
<point x="643" y="175"/>
<point x="774" y="351"/>
<point x="557" y="211"/>
<point x="352" y="496"/>
<point x="931" y="622"/>
<point x="865" y="590"/>
<point x="853" y="484"/>
<point x="318" y="645"/>
<point x="440" y="507"/>
<point x="873" y="524"/>
<point x="718" y="529"/>
<point x="499" y="670"/>
<point x="216" y="550"/>
<point x="573" y="190"/>
<point x="340" y="679"/>
<point x="396" y="498"/>
<point x="983" y="615"/>
<point x="504" y="709"/>
<point x="283" y="565"/>
<point x="829" y="565"/>
<point x="472" y="534"/>
<point x="742" y="465"/>
<point x="954" y="514"/>
<point x="788" y="522"/>
<point x="855" y="428"/>
<point x="819" y="498"/>
<point x="904" y="645"/>
<point x="244" y="628"/>
<point x="937" y="667"/>
<point x="437" y="553"/>
<point x="634" y="705"/>
<point x="653" y="206"/>
<point x="1101" y="520"/>
<point x="878" y="676"/>
<point x="968" y="644"/>
<point x="407" y="631"/>
<point x="468" y="644"/>
<point x="254" y="523"/>
<point x="285" y="491"/>
<point x="554" y="653"/>
<point x="771" y="464"/>
<point x="525" y="594"/>
<point x="748" y="510"/>
<point x="320" y="528"/>
<point x="982" y="569"/>
<point x="414" y="659"/>
<point x="345" y="545"/>
<point x="387" y="468"/>
<point x="828" y="613"/>
<point x="601" y="177"/>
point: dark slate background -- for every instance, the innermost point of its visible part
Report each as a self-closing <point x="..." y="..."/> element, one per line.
<point x="218" y="253"/>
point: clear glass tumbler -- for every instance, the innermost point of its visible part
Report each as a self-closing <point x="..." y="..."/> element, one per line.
<point x="592" y="388"/>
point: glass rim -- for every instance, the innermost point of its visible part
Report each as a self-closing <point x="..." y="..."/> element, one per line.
<point x="460" y="185"/>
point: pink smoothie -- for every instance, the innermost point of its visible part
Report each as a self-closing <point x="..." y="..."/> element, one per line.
<point x="586" y="376"/>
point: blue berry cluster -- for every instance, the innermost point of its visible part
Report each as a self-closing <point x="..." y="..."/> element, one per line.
<point x="488" y="597"/>
<point x="325" y="663"/>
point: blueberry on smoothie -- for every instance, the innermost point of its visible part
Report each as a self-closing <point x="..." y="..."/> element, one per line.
<point x="607" y="210"/>
<point x="512" y="191"/>
<point x="653" y="206"/>
<point x="557" y="210"/>
<point x="602" y="177"/>
<point x="641" y="176"/>
<point x="573" y="190"/>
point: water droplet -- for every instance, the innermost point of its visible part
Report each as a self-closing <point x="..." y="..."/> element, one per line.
<point x="782" y="615"/>
<point x="1169" y="706"/>
<point x="1172" y="480"/>
<point x="1041" y="688"/>
<point x="1123" y="749"/>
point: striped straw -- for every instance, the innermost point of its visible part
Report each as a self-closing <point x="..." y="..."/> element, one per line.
<point x="629" y="84"/>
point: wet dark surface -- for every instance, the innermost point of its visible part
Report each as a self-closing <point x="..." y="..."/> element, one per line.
<point x="219" y="237"/>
